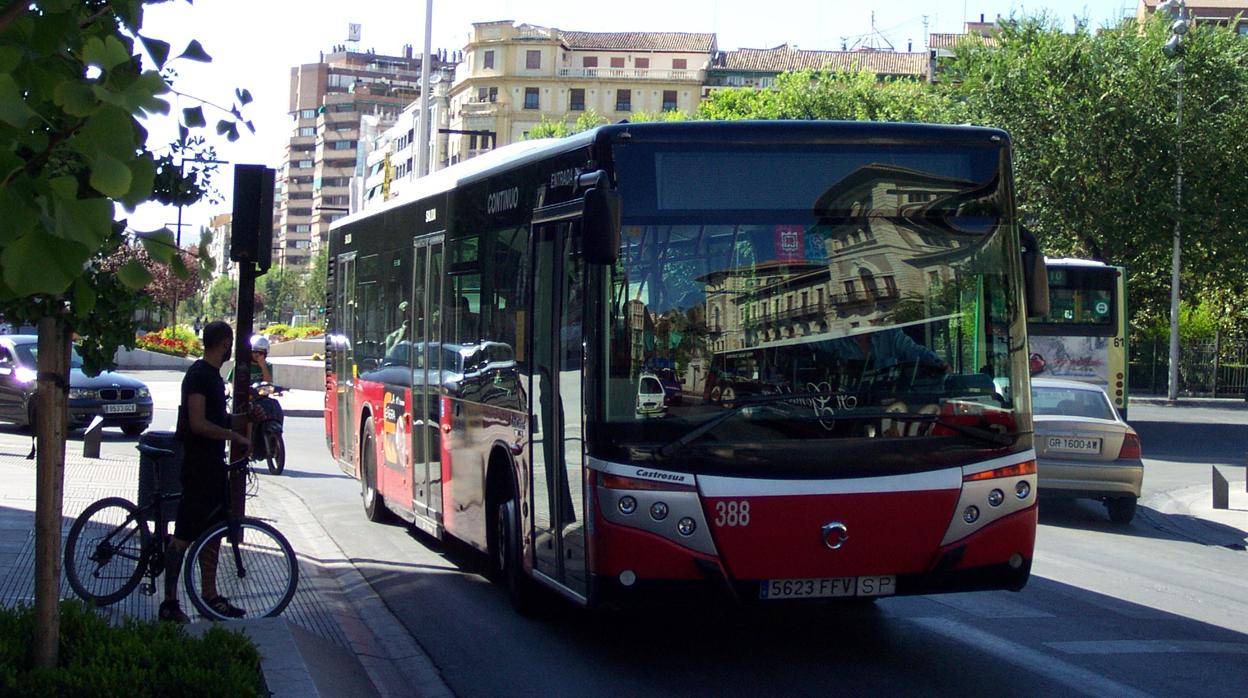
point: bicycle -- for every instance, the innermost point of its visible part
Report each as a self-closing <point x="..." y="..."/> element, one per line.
<point x="109" y="549"/>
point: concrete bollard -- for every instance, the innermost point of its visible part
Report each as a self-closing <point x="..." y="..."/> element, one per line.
<point x="91" y="438"/>
<point x="1221" y="490"/>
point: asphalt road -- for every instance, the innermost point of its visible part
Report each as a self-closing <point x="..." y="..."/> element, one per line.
<point x="1146" y="609"/>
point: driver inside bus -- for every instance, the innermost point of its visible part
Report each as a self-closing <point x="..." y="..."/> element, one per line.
<point x="887" y="349"/>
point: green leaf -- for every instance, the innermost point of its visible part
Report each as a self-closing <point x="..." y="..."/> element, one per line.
<point x="134" y="275"/>
<point x="142" y="179"/>
<point x="76" y="98"/>
<point x="59" y="262"/>
<point x="87" y="222"/>
<point x="112" y="130"/>
<point x="159" y="244"/>
<point x="18" y="215"/>
<point x="107" y="53"/>
<point x="244" y="96"/>
<point x="109" y="176"/>
<point x="179" y="267"/>
<point x="84" y="298"/>
<point x="157" y="49"/>
<point x="194" y="117"/>
<point x="195" y="51"/>
<point x="10" y="58"/>
<point x="13" y="109"/>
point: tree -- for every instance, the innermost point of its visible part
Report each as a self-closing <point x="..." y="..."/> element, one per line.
<point x="222" y="298"/>
<point x="315" y="284"/>
<point x="72" y="91"/>
<point x="282" y="292"/>
<point x="1092" y="118"/>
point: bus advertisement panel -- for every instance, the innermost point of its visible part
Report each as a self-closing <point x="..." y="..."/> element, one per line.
<point x="779" y="361"/>
<point x="1084" y="335"/>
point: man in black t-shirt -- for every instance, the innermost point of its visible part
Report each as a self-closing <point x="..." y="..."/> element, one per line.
<point x="203" y="428"/>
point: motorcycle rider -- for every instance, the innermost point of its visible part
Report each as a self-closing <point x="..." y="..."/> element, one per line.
<point x="262" y="407"/>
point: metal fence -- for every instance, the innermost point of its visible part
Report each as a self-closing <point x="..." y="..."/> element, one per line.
<point x="1209" y="369"/>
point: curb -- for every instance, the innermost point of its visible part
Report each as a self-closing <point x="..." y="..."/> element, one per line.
<point x="311" y="414"/>
<point x="1221" y="403"/>
<point x="395" y="663"/>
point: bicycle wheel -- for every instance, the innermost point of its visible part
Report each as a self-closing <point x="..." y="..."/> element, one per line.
<point x="106" y="550"/>
<point x="258" y="575"/>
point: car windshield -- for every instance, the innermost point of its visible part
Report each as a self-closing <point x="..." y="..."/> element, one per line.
<point x="28" y="354"/>
<point x="889" y="294"/>
<point x="1070" y="402"/>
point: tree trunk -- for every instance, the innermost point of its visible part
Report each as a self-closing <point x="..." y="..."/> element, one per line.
<point x="51" y="425"/>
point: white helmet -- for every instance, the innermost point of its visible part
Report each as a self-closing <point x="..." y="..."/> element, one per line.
<point x="260" y="343"/>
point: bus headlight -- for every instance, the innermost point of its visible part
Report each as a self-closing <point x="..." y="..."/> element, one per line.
<point x="971" y="514"/>
<point x="686" y="526"/>
<point x="658" y="511"/>
<point x="627" y="504"/>
<point x="1022" y="489"/>
<point x="995" y="498"/>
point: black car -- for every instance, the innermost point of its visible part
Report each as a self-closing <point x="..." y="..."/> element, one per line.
<point x="121" y="400"/>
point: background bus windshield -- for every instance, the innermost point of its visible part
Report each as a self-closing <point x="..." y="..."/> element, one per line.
<point x="1082" y="296"/>
<point x="879" y="307"/>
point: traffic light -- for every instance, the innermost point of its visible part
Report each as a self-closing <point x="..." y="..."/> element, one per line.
<point x="251" y="233"/>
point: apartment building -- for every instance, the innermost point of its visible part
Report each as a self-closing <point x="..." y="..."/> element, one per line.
<point x="512" y="76"/>
<point x="391" y="153"/>
<point x="327" y="101"/>
<point x="220" y="227"/>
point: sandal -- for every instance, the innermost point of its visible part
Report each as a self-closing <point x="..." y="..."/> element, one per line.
<point x="222" y="605"/>
<point x="172" y="612"/>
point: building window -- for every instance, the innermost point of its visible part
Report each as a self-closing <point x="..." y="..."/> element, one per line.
<point x="342" y="145"/>
<point x="301" y="195"/>
<point x="617" y="61"/>
<point x="680" y="64"/>
<point x="487" y="94"/>
<point x="623" y="100"/>
<point x="489" y="59"/>
<point x="303" y="163"/>
<point x="307" y="130"/>
<point x="589" y="61"/>
<point x="642" y="63"/>
<point x="533" y="60"/>
<point x="345" y="106"/>
<point x="669" y="100"/>
<point x="300" y="211"/>
<point x="577" y="99"/>
<point x="530" y="98"/>
<point x="307" y="114"/>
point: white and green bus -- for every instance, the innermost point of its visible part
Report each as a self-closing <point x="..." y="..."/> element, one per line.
<point x="1084" y="335"/>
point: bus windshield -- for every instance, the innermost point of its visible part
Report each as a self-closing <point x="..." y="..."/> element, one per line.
<point x="882" y="305"/>
<point x="1081" y="296"/>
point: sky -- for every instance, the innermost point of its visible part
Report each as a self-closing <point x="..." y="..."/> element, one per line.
<point x="255" y="43"/>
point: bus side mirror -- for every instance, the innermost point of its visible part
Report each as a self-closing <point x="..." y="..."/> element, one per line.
<point x="1035" y="275"/>
<point x="601" y="234"/>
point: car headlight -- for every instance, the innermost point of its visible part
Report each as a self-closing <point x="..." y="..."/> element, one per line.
<point x="81" y="393"/>
<point x="144" y="392"/>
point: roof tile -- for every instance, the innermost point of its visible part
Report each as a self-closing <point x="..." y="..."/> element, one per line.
<point x="784" y="59"/>
<point x="639" y="41"/>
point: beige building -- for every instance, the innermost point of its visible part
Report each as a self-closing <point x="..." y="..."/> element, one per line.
<point x="327" y="100"/>
<point x="512" y="76"/>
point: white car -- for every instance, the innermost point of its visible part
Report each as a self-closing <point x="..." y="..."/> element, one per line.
<point x="1084" y="448"/>
<point x="651" y="397"/>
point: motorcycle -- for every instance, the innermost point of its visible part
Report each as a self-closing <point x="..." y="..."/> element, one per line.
<point x="267" y="420"/>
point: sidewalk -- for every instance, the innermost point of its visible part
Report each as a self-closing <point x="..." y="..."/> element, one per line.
<point x="1189" y="512"/>
<point x="327" y="642"/>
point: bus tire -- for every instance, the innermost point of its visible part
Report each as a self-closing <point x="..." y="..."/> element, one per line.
<point x="521" y="591"/>
<point x="374" y="508"/>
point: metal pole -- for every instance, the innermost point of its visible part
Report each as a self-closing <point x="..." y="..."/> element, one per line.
<point x="422" y="141"/>
<point x="1173" y="392"/>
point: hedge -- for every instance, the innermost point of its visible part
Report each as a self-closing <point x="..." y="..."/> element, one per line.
<point x="133" y="659"/>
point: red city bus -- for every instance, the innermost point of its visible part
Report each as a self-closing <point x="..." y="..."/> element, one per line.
<point x="531" y="351"/>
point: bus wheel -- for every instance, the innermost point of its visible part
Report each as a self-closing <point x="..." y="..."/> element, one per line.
<point x="374" y="508"/>
<point x="509" y="557"/>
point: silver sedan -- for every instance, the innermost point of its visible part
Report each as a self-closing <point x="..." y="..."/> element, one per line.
<point x="1084" y="449"/>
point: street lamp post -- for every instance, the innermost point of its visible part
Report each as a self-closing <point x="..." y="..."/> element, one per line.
<point x="1174" y="49"/>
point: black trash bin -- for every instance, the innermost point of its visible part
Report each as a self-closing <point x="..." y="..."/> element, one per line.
<point x="169" y="467"/>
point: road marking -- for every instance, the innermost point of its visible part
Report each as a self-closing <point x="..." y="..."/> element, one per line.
<point x="1149" y="647"/>
<point x="1077" y="678"/>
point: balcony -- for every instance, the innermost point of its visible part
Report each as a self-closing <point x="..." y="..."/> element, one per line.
<point x="471" y="109"/>
<point x="631" y="74"/>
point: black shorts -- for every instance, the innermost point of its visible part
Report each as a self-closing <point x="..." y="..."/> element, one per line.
<point x="202" y="505"/>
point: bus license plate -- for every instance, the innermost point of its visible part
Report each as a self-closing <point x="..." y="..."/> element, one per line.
<point x="119" y="409"/>
<point x="827" y="587"/>
<point x="1067" y="444"/>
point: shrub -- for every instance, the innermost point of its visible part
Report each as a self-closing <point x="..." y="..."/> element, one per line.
<point x="133" y="659"/>
<point x="152" y="341"/>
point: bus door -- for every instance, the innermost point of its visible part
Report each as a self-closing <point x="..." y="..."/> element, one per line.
<point x="426" y="360"/>
<point x="344" y="358"/>
<point x="556" y="443"/>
